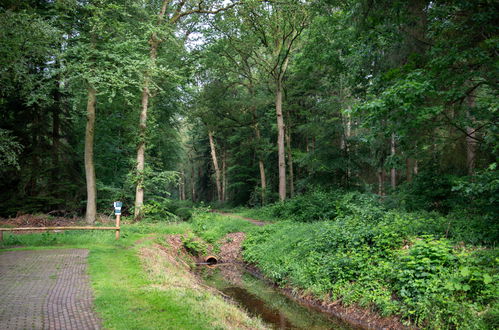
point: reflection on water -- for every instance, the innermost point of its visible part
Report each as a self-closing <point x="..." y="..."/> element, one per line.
<point x="266" y="302"/>
<point x="257" y="307"/>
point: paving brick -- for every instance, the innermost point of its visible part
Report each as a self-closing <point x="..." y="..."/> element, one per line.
<point x="46" y="289"/>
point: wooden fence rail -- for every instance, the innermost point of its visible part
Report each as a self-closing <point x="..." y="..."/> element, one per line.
<point x="117" y="228"/>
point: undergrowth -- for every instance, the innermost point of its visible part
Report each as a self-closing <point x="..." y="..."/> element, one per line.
<point x="434" y="271"/>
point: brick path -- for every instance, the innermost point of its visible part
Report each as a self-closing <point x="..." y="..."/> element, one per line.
<point x="45" y="289"/>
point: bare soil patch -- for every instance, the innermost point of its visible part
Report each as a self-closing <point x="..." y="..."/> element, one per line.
<point x="38" y="220"/>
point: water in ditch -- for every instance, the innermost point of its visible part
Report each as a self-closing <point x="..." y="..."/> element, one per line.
<point x="267" y="302"/>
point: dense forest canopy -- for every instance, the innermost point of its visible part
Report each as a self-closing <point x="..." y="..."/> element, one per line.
<point x="247" y="103"/>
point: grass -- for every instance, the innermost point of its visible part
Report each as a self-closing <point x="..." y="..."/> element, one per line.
<point x="261" y="214"/>
<point x="134" y="286"/>
<point x="212" y="227"/>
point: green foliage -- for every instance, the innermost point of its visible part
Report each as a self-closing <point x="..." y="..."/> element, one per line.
<point x="184" y="213"/>
<point x="194" y="245"/>
<point x="212" y="227"/>
<point x="381" y="265"/>
<point x="322" y="205"/>
<point x="480" y="193"/>
<point x="157" y="211"/>
<point x="9" y="151"/>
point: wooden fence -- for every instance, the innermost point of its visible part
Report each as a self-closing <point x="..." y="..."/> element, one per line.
<point x="116" y="228"/>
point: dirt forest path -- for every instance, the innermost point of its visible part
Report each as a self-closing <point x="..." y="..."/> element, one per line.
<point x="254" y="221"/>
<point x="46" y="289"/>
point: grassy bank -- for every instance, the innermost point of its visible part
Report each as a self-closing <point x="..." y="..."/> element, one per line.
<point x="135" y="287"/>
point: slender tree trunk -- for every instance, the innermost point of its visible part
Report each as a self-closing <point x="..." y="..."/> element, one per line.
<point x="141" y="148"/>
<point x="89" y="158"/>
<point x="408" y="169"/>
<point x="280" y="141"/>
<point x="416" y="167"/>
<point x="471" y="141"/>
<point x="393" y="171"/>
<point x="215" y="166"/>
<point x="193" y="184"/>
<point x="381" y="182"/>
<point x="181" y="187"/>
<point x="261" y="165"/>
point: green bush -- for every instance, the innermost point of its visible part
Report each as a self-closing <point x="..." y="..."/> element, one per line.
<point x="157" y="211"/>
<point x="184" y="213"/>
<point x="390" y="264"/>
<point x="194" y="245"/>
<point x="321" y="205"/>
<point x="166" y="209"/>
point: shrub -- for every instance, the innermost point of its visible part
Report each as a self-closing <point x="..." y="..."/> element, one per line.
<point x="184" y="213"/>
<point x="194" y="245"/>
<point x="157" y="211"/>
<point x="387" y="264"/>
<point x="321" y="205"/>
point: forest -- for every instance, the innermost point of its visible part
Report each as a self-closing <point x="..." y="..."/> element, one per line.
<point x="366" y="130"/>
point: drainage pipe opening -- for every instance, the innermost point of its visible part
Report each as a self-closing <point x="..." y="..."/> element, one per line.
<point x="211" y="260"/>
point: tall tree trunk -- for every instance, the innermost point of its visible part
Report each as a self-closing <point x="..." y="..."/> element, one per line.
<point x="393" y="171"/>
<point x="193" y="184"/>
<point x="261" y="165"/>
<point x="280" y="141"/>
<point x="416" y="167"/>
<point x="89" y="158"/>
<point x="215" y="166"/>
<point x="141" y="148"/>
<point x="181" y="186"/>
<point x="471" y="141"/>
<point x="381" y="182"/>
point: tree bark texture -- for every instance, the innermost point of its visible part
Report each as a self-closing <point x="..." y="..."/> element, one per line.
<point x="141" y="150"/>
<point x="471" y="138"/>
<point x="280" y="141"/>
<point x="215" y="166"/>
<point x="89" y="158"/>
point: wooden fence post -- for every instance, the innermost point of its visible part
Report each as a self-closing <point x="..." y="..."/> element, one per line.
<point x="118" y="226"/>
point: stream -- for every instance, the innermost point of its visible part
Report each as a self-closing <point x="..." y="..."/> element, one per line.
<point x="265" y="301"/>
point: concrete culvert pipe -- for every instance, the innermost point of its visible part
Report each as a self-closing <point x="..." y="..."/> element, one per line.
<point x="211" y="260"/>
